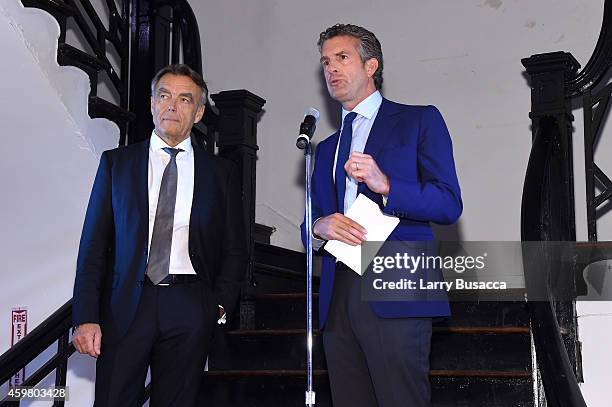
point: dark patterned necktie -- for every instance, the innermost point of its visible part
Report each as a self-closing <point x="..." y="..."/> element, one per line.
<point x="158" y="265"/>
<point x="344" y="149"/>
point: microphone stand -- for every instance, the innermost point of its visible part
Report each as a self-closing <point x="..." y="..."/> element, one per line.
<point x="310" y="394"/>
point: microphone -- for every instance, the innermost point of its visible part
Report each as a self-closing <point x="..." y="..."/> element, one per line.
<point x="307" y="128"/>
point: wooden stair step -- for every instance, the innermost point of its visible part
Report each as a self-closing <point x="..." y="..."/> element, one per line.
<point x="101" y="108"/>
<point x="452" y="348"/>
<point x="69" y="55"/>
<point x="57" y="8"/>
<point x="481" y="330"/>
<point x="301" y="373"/>
<point x="288" y="310"/>
<point x="509" y="295"/>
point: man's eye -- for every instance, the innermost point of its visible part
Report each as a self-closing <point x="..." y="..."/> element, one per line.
<point x="343" y="56"/>
<point x="186" y="100"/>
<point x="163" y="96"/>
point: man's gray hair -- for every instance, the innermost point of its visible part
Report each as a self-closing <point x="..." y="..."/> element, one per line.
<point x="369" y="46"/>
<point x="182" y="70"/>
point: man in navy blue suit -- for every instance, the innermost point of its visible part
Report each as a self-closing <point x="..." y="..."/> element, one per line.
<point x="162" y="254"/>
<point x="400" y="157"/>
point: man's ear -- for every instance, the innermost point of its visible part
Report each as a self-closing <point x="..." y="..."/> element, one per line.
<point x="152" y="101"/>
<point x="199" y="113"/>
<point x="371" y="66"/>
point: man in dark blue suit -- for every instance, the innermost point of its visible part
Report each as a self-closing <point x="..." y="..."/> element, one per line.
<point x="162" y="254"/>
<point x="400" y="157"/>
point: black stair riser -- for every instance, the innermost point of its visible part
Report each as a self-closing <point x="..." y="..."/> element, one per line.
<point x="284" y="314"/>
<point x="450" y="351"/>
<point x="454" y="351"/>
<point x="291" y="313"/>
<point x="482" y="392"/>
<point x="269" y="281"/>
<point x="265" y="354"/>
<point x="289" y="392"/>
<point x="488" y="313"/>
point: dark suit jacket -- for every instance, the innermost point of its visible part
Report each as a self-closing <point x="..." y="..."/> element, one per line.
<point x="113" y="250"/>
<point x="412" y="146"/>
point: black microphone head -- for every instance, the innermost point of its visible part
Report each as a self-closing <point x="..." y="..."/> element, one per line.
<point x="307" y="128"/>
<point x="311" y="111"/>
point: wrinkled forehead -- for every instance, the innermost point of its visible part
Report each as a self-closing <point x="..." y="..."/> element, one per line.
<point x="178" y="84"/>
<point x="338" y="44"/>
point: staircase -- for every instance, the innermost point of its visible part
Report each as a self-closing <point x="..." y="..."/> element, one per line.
<point x="480" y="357"/>
<point x="35" y="47"/>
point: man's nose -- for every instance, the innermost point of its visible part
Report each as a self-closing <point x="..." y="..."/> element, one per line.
<point x="331" y="67"/>
<point x="171" y="105"/>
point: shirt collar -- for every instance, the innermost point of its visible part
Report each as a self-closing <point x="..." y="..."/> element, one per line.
<point x="367" y="107"/>
<point x="157" y="143"/>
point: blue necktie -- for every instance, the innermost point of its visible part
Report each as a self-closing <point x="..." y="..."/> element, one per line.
<point x="344" y="149"/>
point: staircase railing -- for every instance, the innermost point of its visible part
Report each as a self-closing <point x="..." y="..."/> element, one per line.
<point x="548" y="199"/>
<point x="103" y="53"/>
<point x="55" y="328"/>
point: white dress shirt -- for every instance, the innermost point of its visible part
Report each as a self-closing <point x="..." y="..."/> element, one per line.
<point x="366" y="110"/>
<point x="180" y="263"/>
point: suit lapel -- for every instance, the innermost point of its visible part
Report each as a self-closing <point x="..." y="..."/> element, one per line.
<point x="328" y="152"/>
<point x="385" y="121"/>
<point x="200" y="205"/>
<point x="141" y="182"/>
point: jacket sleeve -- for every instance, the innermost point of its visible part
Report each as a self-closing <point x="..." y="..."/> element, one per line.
<point x="436" y="196"/>
<point x="234" y="257"/>
<point x="316" y="206"/>
<point x="95" y="248"/>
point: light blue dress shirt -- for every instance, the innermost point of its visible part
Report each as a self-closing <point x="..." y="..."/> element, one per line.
<point x="366" y="114"/>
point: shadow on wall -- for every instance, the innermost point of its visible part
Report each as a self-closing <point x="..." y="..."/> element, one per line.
<point x="329" y="112"/>
<point x="331" y="109"/>
<point x="83" y="366"/>
<point x="448" y="233"/>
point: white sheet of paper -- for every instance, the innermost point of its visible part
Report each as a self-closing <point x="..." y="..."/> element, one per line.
<point x="379" y="226"/>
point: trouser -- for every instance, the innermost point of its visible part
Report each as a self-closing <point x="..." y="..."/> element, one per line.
<point x="373" y="361"/>
<point x="171" y="333"/>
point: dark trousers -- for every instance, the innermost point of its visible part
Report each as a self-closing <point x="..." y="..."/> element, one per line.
<point x="372" y="361"/>
<point x="171" y="333"/>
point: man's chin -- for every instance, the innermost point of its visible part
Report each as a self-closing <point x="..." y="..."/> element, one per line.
<point x="170" y="131"/>
<point x="168" y="134"/>
<point x="337" y="94"/>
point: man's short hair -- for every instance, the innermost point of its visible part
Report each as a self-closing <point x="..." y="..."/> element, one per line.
<point x="182" y="70"/>
<point x="368" y="47"/>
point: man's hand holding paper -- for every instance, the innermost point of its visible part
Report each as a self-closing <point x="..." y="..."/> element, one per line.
<point x="364" y="215"/>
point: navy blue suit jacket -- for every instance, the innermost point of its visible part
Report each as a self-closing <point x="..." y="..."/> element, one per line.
<point x="114" y="243"/>
<point x="412" y="146"/>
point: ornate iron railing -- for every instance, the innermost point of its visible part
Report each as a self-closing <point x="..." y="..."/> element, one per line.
<point x="548" y="200"/>
<point x="100" y="48"/>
